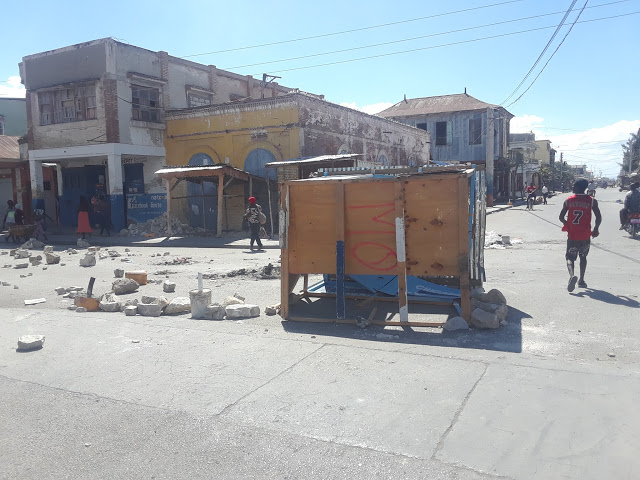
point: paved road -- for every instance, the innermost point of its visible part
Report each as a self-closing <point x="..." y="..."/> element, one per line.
<point x="551" y="395"/>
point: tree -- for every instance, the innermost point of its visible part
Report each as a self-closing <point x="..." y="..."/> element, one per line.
<point x="631" y="152"/>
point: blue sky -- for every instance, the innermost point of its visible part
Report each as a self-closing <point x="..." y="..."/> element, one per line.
<point x="588" y="93"/>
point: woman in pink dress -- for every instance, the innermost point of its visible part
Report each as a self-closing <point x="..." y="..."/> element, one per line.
<point x="84" y="226"/>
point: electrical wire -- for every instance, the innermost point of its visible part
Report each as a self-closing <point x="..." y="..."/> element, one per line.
<point x="412" y="38"/>
<point x="552" y="55"/>
<point x="443" y="45"/>
<point x="564" y="18"/>
<point x="342" y="32"/>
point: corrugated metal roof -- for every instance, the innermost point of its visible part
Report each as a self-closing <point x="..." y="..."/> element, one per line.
<point x="9" y="147"/>
<point x="459" y="102"/>
<point x="311" y="160"/>
<point x="202" y="171"/>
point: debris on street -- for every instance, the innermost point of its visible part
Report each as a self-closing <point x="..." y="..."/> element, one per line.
<point x="30" y="342"/>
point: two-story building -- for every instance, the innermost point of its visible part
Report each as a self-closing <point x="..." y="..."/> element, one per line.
<point x="14" y="172"/>
<point x="464" y="129"/>
<point x="523" y="148"/>
<point x="95" y="114"/>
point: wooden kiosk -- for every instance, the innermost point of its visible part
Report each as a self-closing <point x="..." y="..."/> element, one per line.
<point x="429" y="224"/>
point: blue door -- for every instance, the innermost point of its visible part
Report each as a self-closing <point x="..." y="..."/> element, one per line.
<point x="194" y="191"/>
<point x="76" y="182"/>
<point x="256" y="160"/>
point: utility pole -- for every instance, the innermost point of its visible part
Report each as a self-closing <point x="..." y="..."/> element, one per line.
<point x="561" y="181"/>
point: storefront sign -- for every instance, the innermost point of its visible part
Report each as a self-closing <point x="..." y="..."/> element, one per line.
<point x="143" y="207"/>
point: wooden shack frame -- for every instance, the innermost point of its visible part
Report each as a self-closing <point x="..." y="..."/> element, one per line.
<point x="429" y="224"/>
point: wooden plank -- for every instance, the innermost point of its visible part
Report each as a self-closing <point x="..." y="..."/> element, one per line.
<point x="403" y="304"/>
<point x="340" y="253"/>
<point x="220" y="205"/>
<point x="284" y="251"/>
<point x="377" y="299"/>
<point x="463" y="246"/>
<point x="349" y="321"/>
<point x="431" y="222"/>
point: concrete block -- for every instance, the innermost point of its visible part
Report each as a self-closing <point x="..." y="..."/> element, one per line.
<point x="169" y="287"/>
<point x="178" y="305"/>
<point x="149" y="310"/>
<point x="130" y="310"/>
<point x="242" y="311"/>
<point x="215" y="312"/>
<point x="30" y="342"/>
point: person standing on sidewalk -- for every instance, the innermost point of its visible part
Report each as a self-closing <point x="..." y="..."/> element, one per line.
<point x="578" y="226"/>
<point x="253" y="218"/>
<point x="545" y="193"/>
<point x="84" y="226"/>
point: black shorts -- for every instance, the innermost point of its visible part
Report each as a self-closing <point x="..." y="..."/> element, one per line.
<point x="577" y="247"/>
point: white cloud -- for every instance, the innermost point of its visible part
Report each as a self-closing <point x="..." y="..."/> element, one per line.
<point x="370" y="109"/>
<point x="598" y="148"/>
<point x="12" y="88"/>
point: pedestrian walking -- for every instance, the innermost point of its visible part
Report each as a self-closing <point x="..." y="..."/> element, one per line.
<point x="84" y="226"/>
<point x="254" y="216"/>
<point x="545" y="193"/>
<point x="103" y="215"/>
<point x="10" y="215"/>
<point x="576" y="218"/>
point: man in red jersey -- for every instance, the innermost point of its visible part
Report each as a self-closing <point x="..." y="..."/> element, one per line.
<point x="578" y="225"/>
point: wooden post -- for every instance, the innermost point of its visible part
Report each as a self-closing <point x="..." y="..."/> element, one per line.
<point x="270" y="206"/>
<point x="204" y="216"/>
<point x="251" y="186"/>
<point x="284" y="251"/>
<point x="167" y="184"/>
<point x="403" y="301"/>
<point x="220" y="204"/>
<point x="463" y="246"/>
<point x="340" y="254"/>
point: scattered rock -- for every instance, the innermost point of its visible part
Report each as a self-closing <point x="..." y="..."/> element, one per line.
<point x="6" y="284"/>
<point x="242" y="311"/>
<point x="81" y="309"/>
<point x="118" y="272"/>
<point x="89" y="260"/>
<point x="113" y="253"/>
<point x="32" y="244"/>
<point x="131" y="310"/>
<point x="21" y="265"/>
<point x="52" y="258"/>
<point x="30" y="342"/>
<point x="238" y="296"/>
<point x="149" y="310"/>
<point x="456" y="323"/>
<point x="495" y="296"/>
<point x="72" y="251"/>
<point x="22" y="253"/>
<point x="169" y="287"/>
<point x="109" y="303"/>
<point x="611" y="355"/>
<point x="162" y="301"/>
<point x="271" y="310"/>
<point x="166" y="254"/>
<point x="131" y="302"/>
<point x="71" y="307"/>
<point x="124" y="285"/>
<point x="178" y="305"/>
<point x="231" y="301"/>
<point x="83" y="243"/>
<point x="35" y="260"/>
<point x="387" y="336"/>
<point x="363" y="322"/>
<point x="214" y="311"/>
<point x="93" y="249"/>
<point x="48" y="249"/>
<point x="482" y="319"/>
<point x="127" y="250"/>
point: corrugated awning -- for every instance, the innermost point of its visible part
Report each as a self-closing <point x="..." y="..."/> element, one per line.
<point x="202" y="172"/>
<point x="313" y="160"/>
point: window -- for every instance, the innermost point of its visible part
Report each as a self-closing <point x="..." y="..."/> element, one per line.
<point x="475" y="131"/>
<point x="73" y="104"/>
<point x="145" y="103"/>
<point x="443" y="133"/>
<point x="1" y="125"/>
<point x="421" y="126"/>
<point x="198" y="100"/>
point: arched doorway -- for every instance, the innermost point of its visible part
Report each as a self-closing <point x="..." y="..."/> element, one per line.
<point x="197" y="216"/>
<point x="256" y="160"/>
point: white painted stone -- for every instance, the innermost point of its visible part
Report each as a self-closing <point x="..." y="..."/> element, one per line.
<point x="242" y="311"/>
<point x="178" y="305"/>
<point x="455" y="323"/>
<point x="30" y="342"/>
<point x="149" y="310"/>
<point x="214" y="311"/>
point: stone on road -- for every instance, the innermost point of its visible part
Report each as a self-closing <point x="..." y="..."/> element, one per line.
<point x="30" y="342"/>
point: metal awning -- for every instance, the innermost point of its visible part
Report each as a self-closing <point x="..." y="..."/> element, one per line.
<point x="202" y="173"/>
<point x="314" y="160"/>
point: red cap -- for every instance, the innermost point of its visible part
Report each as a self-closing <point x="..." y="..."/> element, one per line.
<point x="252" y="200"/>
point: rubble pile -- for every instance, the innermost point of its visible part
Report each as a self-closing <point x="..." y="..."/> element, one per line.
<point x="499" y="242"/>
<point x="158" y="226"/>
<point x="268" y="271"/>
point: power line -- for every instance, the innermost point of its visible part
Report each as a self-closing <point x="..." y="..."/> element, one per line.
<point x="342" y="32"/>
<point x="443" y="45"/>
<point x="362" y="47"/>
<point x="564" y="18"/>
<point x="552" y="55"/>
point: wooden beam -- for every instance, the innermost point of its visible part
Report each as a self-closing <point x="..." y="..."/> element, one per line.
<point x="270" y="206"/>
<point x="284" y="251"/>
<point x="352" y="321"/>
<point x="220" y="205"/>
<point x="463" y="247"/>
<point x="340" y="253"/>
<point x="401" y="247"/>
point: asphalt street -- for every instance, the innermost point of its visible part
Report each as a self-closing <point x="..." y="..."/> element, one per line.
<point x="550" y="395"/>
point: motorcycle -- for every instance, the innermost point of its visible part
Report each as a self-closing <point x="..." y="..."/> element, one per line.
<point x="591" y="193"/>
<point x="633" y="224"/>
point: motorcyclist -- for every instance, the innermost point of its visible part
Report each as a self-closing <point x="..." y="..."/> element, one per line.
<point x="591" y="189"/>
<point x="631" y="201"/>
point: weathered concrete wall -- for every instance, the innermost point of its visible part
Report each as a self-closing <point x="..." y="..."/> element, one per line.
<point x="328" y="128"/>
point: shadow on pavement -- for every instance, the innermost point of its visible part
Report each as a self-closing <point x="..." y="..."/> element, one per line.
<point x="607" y="297"/>
<point x="505" y="339"/>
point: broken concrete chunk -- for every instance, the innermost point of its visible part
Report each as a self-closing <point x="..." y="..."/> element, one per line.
<point x="131" y="310"/>
<point x="231" y="301"/>
<point x="92" y="249"/>
<point x="242" y="311"/>
<point x="35" y="260"/>
<point x="162" y="301"/>
<point x="48" y="249"/>
<point x="109" y="303"/>
<point x="124" y="285"/>
<point x="113" y="253"/>
<point x="32" y="244"/>
<point x="35" y="301"/>
<point x="214" y="312"/>
<point x="22" y="253"/>
<point x="52" y="258"/>
<point x="456" y="323"/>
<point x="169" y="287"/>
<point x="81" y="309"/>
<point x="89" y="260"/>
<point x="271" y="310"/>
<point x="30" y="342"/>
<point x="83" y="243"/>
<point x="118" y="272"/>
<point x="483" y="319"/>
<point x="238" y="296"/>
<point x="178" y="305"/>
<point x="21" y="265"/>
<point x="72" y="251"/>
<point x="149" y="310"/>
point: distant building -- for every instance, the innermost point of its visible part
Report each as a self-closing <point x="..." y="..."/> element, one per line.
<point x="95" y="115"/>
<point x="544" y="154"/>
<point x="13" y="116"/>
<point x="526" y="167"/>
<point x="463" y="128"/>
<point x="14" y="172"/>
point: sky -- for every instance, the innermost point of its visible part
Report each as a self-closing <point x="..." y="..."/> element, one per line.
<point x="367" y="55"/>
